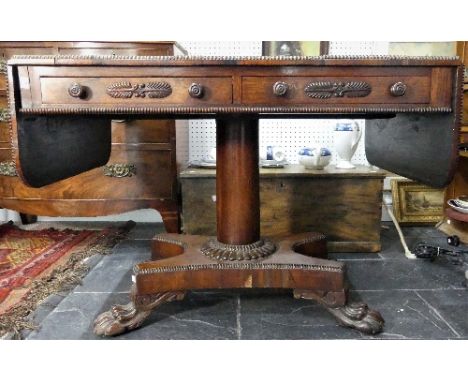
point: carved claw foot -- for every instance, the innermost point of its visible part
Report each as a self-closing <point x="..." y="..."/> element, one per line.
<point x="358" y="316"/>
<point x="124" y="318"/>
<point x="355" y="315"/>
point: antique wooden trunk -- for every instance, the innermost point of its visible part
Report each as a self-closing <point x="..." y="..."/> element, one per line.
<point x="346" y="204"/>
<point x="141" y="172"/>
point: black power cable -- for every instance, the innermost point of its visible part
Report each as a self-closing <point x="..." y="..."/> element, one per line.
<point x="431" y="252"/>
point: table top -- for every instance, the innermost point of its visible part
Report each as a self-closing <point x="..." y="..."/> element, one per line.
<point x="297" y="171"/>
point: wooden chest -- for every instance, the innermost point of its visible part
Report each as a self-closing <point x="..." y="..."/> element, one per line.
<point x="141" y="172"/>
<point x="346" y="204"/>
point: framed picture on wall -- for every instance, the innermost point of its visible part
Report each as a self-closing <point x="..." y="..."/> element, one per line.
<point x="294" y="48"/>
<point x="415" y="203"/>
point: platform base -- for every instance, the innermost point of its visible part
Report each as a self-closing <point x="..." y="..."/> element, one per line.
<point x="179" y="264"/>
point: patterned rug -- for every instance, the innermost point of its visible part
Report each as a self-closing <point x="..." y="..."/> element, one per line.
<point x="37" y="263"/>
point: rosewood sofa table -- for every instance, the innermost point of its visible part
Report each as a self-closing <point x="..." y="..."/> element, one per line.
<point x="61" y="108"/>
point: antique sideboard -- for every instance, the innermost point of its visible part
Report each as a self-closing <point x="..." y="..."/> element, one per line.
<point x="61" y="110"/>
<point x="141" y="171"/>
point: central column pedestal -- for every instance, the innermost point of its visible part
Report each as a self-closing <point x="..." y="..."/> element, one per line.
<point x="237" y="193"/>
<point x="238" y="257"/>
<point x="237" y="181"/>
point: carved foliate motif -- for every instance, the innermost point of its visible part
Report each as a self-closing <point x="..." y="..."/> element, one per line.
<point x="120" y="170"/>
<point x="125" y="89"/>
<point x="8" y="169"/>
<point x="329" y="89"/>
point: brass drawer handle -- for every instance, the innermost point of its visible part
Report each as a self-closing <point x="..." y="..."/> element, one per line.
<point x="398" y="89"/>
<point x="329" y="89"/>
<point x="120" y="170"/>
<point x="280" y="88"/>
<point x="76" y="90"/>
<point x="8" y="169"/>
<point x="196" y="90"/>
<point x="125" y="89"/>
<point x="4" y="115"/>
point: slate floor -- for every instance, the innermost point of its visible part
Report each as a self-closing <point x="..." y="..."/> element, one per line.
<point x="417" y="298"/>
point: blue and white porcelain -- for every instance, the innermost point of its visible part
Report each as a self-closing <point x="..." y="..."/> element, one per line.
<point x="272" y="153"/>
<point x="310" y="160"/>
<point x="347" y="135"/>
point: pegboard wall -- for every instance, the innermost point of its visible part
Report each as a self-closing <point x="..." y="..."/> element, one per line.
<point x="291" y="135"/>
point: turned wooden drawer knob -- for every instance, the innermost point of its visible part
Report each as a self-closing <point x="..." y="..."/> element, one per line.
<point x="398" y="89"/>
<point x="76" y="90"/>
<point x="280" y="88"/>
<point x="196" y="90"/>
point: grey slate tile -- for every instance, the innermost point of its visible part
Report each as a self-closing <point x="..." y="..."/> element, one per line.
<point x="452" y="306"/>
<point x="73" y="317"/>
<point x="108" y="277"/>
<point x="403" y="274"/>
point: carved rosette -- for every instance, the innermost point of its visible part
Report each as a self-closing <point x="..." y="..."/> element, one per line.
<point x="196" y="90"/>
<point x="398" y="89"/>
<point x="232" y="252"/>
<point x="4" y="115"/>
<point x="125" y="89"/>
<point x="120" y="170"/>
<point x="280" y="88"/>
<point x="8" y="169"/>
<point x="329" y="89"/>
<point x="76" y="90"/>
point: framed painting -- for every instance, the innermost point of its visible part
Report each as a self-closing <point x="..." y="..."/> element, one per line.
<point x="294" y="48"/>
<point x="415" y="203"/>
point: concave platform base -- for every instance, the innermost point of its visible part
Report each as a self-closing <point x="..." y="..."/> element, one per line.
<point x="178" y="265"/>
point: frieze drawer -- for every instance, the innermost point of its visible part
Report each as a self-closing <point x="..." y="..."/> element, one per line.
<point x="131" y="90"/>
<point x="336" y="90"/>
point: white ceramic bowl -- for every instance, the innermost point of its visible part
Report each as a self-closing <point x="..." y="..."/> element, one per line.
<point x="462" y="201"/>
<point x="308" y="159"/>
<point x="454" y="205"/>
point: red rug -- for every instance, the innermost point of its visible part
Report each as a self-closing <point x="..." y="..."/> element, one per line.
<point x="25" y="255"/>
<point x="36" y="263"/>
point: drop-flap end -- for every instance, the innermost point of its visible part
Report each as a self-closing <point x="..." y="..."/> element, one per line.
<point x="52" y="148"/>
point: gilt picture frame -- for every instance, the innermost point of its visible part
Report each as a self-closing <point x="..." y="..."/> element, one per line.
<point x="415" y="203"/>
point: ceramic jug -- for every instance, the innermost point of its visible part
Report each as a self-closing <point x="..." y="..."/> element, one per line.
<point x="347" y="135"/>
<point x="310" y="160"/>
